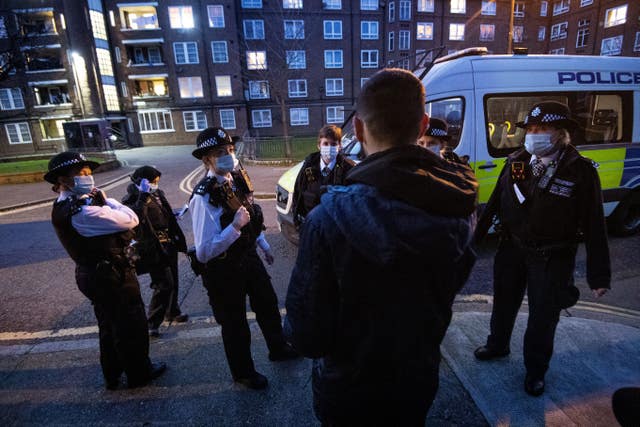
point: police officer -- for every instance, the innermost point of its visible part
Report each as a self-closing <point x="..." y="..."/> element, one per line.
<point x="436" y="137"/>
<point x="158" y="223"/>
<point x="96" y="231"/>
<point x="327" y="166"/>
<point x="547" y="199"/>
<point x="227" y="226"/>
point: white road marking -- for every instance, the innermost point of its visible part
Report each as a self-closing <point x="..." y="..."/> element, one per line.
<point x="186" y="185"/>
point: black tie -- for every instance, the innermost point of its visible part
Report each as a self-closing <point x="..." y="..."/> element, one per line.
<point x="325" y="171"/>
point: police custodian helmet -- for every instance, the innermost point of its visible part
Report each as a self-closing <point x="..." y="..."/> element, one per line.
<point x="211" y="138"/>
<point x="549" y="113"/>
<point x="60" y="165"/>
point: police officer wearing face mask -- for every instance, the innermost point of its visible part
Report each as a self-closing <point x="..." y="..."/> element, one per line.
<point x="96" y="231"/>
<point x="325" y="167"/>
<point x="227" y="227"/>
<point x="547" y="199"/>
<point x="435" y="139"/>
<point x="159" y="227"/>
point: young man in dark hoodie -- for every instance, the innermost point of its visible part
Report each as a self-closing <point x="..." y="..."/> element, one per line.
<point x="379" y="264"/>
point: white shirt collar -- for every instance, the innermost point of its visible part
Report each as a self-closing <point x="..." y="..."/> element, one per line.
<point x="330" y="165"/>
<point x="64" y="194"/>
<point x="219" y="178"/>
<point x="545" y="159"/>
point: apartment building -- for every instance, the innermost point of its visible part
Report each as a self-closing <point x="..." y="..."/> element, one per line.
<point x="158" y="72"/>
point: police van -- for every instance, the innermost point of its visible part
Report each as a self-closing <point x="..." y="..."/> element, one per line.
<point x="482" y="97"/>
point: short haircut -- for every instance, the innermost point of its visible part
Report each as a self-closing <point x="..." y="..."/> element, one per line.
<point x="391" y="104"/>
<point x="330" y="132"/>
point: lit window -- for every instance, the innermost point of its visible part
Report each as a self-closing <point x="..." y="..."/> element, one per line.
<point x="219" y="51"/>
<point x="369" y="59"/>
<point x="332" y="30"/>
<point x="299" y="116"/>
<point x="216" y="16"/>
<point x="488" y="7"/>
<point x="292" y="4"/>
<point x="424" y="31"/>
<point x="11" y="99"/>
<point x="97" y="25"/>
<point x="152" y="86"/>
<point x="261" y="118"/>
<point x="369" y="30"/>
<point x="18" y="133"/>
<point x="404" y="40"/>
<point x="252" y="4"/>
<point x="155" y="121"/>
<point x="294" y="29"/>
<point x="256" y="60"/>
<point x="297" y="88"/>
<point x="194" y="120"/>
<point x="258" y="89"/>
<point x="181" y="17"/>
<point x="458" y="6"/>
<point x="333" y="58"/>
<point x="404" y="11"/>
<point x="334" y="87"/>
<point x="223" y="86"/>
<point x="253" y="29"/>
<point x="487" y="32"/>
<point x="190" y="87"/>
<point x="139" y="17"/>
<point x="456" y="31"/>
<point x="561" y="6"/>
<point x="332" y="4"/>
<point x="615" y="16"/>
<point x="52" y="129"/>
<point x="611" y="46"/>
<point x="296" y="59"/>
<point x="335" y="114"/>
<point x="425" y="6"/>
<point x="228" y="118"/>
<point x="186" y="52"/>
<point x="559" y="31"/>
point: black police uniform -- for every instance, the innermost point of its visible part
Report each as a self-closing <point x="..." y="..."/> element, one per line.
<point x="105" y="276"/>
<point x="158" y="222"/>
<point x="239" y="272"/>
<point x="310" y="180"/>
<point x="537" y="249"/>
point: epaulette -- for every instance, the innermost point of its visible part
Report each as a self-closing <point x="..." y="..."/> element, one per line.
<point x="593" y="163"/>
<point x="203" y="186"/>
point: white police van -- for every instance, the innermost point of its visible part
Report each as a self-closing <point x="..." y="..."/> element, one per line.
<point x="482" y="96"/>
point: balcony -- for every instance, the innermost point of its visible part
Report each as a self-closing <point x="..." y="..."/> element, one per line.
<point x="51" y="93"/>
<point x="43" y="58"/>
<point x="150" y="86"/>
<point x="144" y="52"/>
<point x="139" y="17"/>
<point x="40" y="23"/>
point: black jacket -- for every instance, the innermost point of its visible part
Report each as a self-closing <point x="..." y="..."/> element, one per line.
<point x="379" y="264"/>
<point x="565" y="211"/>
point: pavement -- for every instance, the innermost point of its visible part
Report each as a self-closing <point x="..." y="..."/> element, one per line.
<point x="53" y="377"/>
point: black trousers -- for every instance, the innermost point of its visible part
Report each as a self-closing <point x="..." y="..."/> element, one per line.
<point x="228" y="284"/>
<point x="122" y="324"/>
<point x="164" y="282"/>
<point x="541" y="274"/>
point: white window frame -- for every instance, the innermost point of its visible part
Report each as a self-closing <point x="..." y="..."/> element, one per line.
<point x="227" y="122"/>
<point x="369" y="30"/>
<point x="404" y="10"/>
<point x="297" y="88"/>
<point x="424" y="31"/>
<point x="488" y="8"/>
<point x="404" y="40"/>
<point x="544" y="8"/>
<point x="615" y="39"/>
<point x="292" y="4"/>
<point x="560" y="7"/>
<point x="335" y="114"/>
<point x="558" y="51"/>
<point x="116" y="51"/>
<point x="189" y="86"/>
<point x="293" y="29"/>
<point x="257" y="29"/>
<point x="334" y="87"/>
<point x="456" y="26"/>
<point x="615" y="16"/>
<point x="458" y="6"/>
<point x="253" y="60"/>
<point x="124" y="89"/>
<point x="491" y="32"/>
<point x="333" y="58"/>
<point x="14" y="99"/>
<point x="542" y="33"/>
<point x="221" y="84"/>
<point x="332" y="29"/>
<point x="19" y="129"/>
<point x="300" y="57"/>
<point x="215" y="21"/>
<point x="261" y="118"/>
<point x="391" y="45"/>
<point x="584" y="3"/>
<point x="299" y="116"/>
<point x="184" y="46"/>
<point x="259" y="89"/>
<point x="220" y="53"/>
<point x="392" y="11"/>
<point x="196" y="117"/>
<point x="559" y="31"/>
<point x="183" y="19"/>
<point x="368" y="4"/>
<point x="154" y="119"/>
<point x="369" y="58"/>
<point x="582" y="37"/>
<point x="425" y="6"/>
<point x="332" y="4"/>
<point x="636" y="43"/>
<point x="518" y="9"/>
<point x="518" y="33"/>
<point x="251" y="4"/>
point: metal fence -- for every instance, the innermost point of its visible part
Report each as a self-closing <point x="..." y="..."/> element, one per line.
<point x="275" y="148"/>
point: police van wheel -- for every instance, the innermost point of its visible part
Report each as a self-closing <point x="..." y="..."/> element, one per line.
<point x="629" y="223"/>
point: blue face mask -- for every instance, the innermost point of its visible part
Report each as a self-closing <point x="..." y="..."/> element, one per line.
<point x="328" y="153"/>
<point x="226" y="163"/>
<point x="83" y="184"/>
<point x="538" y="144"/>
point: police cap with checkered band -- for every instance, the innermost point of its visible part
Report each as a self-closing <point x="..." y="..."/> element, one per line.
<point x="62" y="163"/>
<point x="437" y="128"/>
<point x="211" y="138"/>
<point x="549" y="113"/>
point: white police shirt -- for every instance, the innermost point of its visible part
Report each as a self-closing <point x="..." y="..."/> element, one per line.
<point x="331" y="165"/>
<point x="94" y="221"/>
<point x="209" y="237"/>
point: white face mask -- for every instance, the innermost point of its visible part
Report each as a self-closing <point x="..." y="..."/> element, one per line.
<point x="328" y="153"/>
<point x="153" y="187"/>
<point x="538" y="143"/>
<point x="226" y="163"/>
<point x="83" y="184"/>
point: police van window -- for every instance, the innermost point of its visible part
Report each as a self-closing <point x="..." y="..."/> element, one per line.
<point x="601" y="117"/>
<point x="451" y="110"/>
